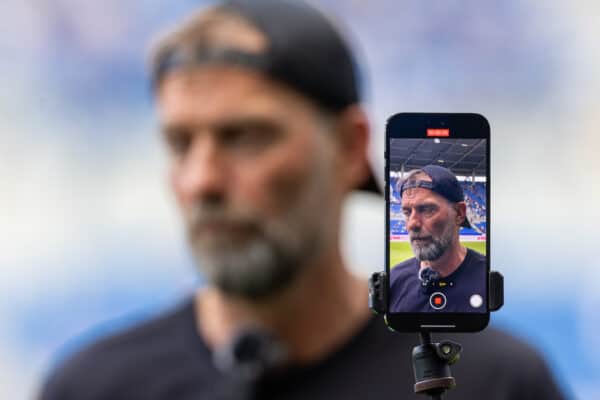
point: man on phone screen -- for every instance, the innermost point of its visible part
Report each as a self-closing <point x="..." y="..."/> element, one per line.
<point x="444" y="275"/>
<point x="259" y="104"/>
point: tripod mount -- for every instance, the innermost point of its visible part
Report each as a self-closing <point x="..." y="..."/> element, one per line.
<point x="431" y="366"/>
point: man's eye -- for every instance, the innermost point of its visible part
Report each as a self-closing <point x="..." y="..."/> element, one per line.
<point x="406" y="212"/>
<point x="178" y="144"/>
<point x="427" y="210"/>
<point x="249" y="137"/>
<point x="241" y="136"/>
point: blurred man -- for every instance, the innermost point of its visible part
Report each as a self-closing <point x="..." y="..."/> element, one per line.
<point x="259" y="105"/>
<point x="444" y="275"/>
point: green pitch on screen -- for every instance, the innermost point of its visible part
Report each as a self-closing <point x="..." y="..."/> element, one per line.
<point x="400" y="251"/>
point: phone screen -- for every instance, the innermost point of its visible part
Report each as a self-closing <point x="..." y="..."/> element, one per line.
<point x="438" y="220"/>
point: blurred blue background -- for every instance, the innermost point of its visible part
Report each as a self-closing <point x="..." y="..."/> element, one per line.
<point x="91" y="240"/>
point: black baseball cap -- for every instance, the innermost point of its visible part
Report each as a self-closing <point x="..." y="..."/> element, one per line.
<point x="304" y="50"/>
<point x="443" y="182"/>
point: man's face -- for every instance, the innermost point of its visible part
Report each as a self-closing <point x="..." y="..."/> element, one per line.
<point x="431" y="222"/>
<point x="252" y="171"/>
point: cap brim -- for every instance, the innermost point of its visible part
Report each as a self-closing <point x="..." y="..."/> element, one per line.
<point x="466" y="224"/>
<point x="370" y="185"/>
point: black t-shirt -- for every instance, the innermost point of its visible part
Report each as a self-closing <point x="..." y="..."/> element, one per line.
<point x="165" y="358"/>
<point x="469" y="279"/>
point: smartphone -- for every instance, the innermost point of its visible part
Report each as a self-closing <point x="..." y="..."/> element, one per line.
<point x="437" y="169"/>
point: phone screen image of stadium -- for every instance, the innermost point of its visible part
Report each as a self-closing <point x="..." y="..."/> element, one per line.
<point x="466" y="159"/>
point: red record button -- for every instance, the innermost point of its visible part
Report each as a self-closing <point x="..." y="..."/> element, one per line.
<point x="437" y="301"/>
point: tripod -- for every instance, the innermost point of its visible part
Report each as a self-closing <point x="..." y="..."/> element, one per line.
<point x="431" y="366"/>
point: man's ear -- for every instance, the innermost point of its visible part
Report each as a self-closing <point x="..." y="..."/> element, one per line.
<point x="461" y="212"/>
<point x="352" y="136"/>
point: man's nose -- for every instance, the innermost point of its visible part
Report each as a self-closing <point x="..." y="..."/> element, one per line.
<point x="413" y="222"/>
<point x="203" y="172"/>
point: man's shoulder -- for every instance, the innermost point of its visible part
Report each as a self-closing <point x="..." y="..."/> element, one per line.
<point x="402" y="282"/>
<point x="157" y="343"/>
<point x="518" y="369"/>
<point x="403" y="269"/>
<point x="493" y="341"/>
<point x="476" y="257"/>
<point x="167" y="327"/>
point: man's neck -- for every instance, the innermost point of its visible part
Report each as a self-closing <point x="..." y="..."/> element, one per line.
<point x="448" y="262"/>
<point x="316" y="315"/>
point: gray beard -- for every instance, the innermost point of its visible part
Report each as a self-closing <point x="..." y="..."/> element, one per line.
<point x="436" y="248"/>
<point x="260" y="266"/>
<point x="276" y="251"/>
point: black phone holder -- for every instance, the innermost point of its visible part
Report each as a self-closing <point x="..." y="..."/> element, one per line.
<point x="431" y="361"/>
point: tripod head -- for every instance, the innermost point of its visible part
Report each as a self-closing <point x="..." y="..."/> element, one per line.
<point x="431" y="365"/>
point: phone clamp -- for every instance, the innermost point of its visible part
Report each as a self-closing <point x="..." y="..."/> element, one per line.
<point x="378" y="288"/>
<point x="378" y="292"/>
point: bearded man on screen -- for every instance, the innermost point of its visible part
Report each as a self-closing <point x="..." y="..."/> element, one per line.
<point x="444" y="275"/>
